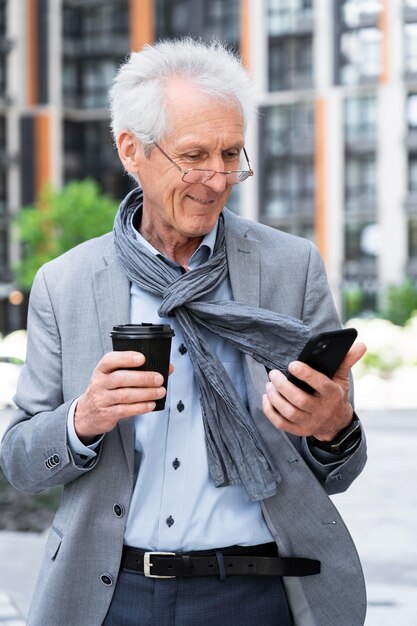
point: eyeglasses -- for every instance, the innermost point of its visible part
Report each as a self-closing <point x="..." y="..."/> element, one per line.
<point x="195" y="175"/>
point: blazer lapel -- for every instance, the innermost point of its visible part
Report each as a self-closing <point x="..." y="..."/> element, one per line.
<point x="243" y="263"/>
<point x="112" y="296"/>
<point x="243" y="256"/>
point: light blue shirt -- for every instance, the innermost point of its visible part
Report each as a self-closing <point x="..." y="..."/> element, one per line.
<point x="175" y="505"/>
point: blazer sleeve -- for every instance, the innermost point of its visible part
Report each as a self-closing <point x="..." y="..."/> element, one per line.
<point x="320" y="314"/>
<point x="34" y="453"/>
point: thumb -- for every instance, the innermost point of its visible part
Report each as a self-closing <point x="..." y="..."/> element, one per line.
<point x="354" y="355"/>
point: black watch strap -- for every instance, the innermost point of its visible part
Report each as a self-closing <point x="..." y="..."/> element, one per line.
<point x="344" y="440"/>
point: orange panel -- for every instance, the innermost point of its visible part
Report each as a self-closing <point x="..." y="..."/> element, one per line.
<point x="142" y="23"/>
<point x="31" y="52"/>
<point x="320" y="176"/>
<point x="245" y="32"/>
<point x="43" y="159"/>
<point x="383" y="26"/>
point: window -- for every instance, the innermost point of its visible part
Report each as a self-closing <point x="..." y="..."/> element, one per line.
<point x="199" y="18"/>
<point x="360" y="188"/>
<point x="358" y="42"/>
<point x="357" y="235"/>
<point x="290" y="63"/>
<point x="3" y="252"/>
<point x="3" y="18"/>
<point x="360" y="118"/>
<point x="412" y="238"/>
<point x="3" y="191"/>
<point x="412" y="111"/>
<point x="289" y="16"/>
<point x="222" y="20"/>
<point x="288" y="128"/>
<point x="290" y="189"/>
<point x="96" y="39"/>
<point x="287" y="180"/>
<point x="412" y="173"/>
<point x="410" y="45"/>
<point x="89" y="152"/>
<point x="361" y="56"/>
<point x="355" y="12"/>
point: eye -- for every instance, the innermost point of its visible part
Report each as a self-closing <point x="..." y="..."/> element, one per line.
<point x="231" y="155"/>
<point x="192" y="156"/>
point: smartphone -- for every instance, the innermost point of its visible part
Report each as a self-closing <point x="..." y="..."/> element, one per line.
<point x="324" y="352"/>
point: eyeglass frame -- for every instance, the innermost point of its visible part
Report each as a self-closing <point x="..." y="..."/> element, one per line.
<point x="184" y="173"/>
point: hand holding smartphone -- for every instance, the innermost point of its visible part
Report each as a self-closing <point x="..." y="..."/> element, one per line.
<point x="325" y="352"/>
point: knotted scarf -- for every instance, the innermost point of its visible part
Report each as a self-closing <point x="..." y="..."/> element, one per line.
<point x="236" y="453"/>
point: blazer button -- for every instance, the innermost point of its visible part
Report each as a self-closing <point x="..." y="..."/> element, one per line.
<point x="106" y="579"/>
<point x="118" y="510"/>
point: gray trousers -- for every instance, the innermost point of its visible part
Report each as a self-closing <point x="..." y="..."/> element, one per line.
<point x="235" y="601"/>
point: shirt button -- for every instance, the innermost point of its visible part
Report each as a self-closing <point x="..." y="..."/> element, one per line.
<point x="182" y="349"/>
<point x="180" y="406"/>
<point x="169" y="521"/>
<point x="176" y="464"/>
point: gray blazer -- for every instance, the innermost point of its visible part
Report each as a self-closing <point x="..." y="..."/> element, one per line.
<point x="75" y="301"/>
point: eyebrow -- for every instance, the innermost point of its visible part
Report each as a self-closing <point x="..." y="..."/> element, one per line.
<point x="203" y="147"/>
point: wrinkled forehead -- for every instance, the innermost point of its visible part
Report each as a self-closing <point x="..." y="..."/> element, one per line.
<point x="188" y="106"/>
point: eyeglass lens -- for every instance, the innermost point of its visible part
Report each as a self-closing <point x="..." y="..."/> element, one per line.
<point x="202" y="176"/>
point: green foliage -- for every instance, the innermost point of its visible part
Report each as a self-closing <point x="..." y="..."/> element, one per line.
<point x="400" y="303"/>
<point x="353" y="300"/>
<point x="60" y="220"/>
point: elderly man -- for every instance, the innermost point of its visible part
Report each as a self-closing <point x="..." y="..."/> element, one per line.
<point x="216" y="508"/>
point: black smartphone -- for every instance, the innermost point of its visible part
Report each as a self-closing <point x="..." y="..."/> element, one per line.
<point x="324" y="352"/>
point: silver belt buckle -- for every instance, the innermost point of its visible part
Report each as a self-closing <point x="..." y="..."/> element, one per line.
<point x="147" y="564"/>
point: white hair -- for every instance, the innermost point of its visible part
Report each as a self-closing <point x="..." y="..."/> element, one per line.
<point x="138" y="94"/>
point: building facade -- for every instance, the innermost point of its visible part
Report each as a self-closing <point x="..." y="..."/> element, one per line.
<point x="334" y="146"/>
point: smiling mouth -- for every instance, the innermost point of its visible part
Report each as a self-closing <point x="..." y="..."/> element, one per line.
<point x="201" y="200"/>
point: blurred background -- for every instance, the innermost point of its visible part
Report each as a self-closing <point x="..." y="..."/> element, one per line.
<point x="334" y="149"/>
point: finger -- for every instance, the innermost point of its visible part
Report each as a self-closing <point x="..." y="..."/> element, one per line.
<point x="133" y="378"/>
<point x="133" y="395"/>
<point x="280" y="421"/>
<point x="120" y="360"/>
<point x="286" y="398"/>
<point x="289" y="390"/>
<point x="353" y="356"/>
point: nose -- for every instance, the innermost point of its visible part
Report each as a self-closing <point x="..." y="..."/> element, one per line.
<point x="217" y="182"/>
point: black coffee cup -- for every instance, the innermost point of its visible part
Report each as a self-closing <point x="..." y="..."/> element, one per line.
<point x="153" y="341"/>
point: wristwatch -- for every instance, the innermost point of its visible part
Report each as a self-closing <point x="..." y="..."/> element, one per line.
<point x="344" y="440"/>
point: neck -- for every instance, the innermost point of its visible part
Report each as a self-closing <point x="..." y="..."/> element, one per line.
<point x="164" y="238"/>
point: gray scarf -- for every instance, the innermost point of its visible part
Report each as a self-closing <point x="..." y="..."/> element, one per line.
<point x="236" y="453"/>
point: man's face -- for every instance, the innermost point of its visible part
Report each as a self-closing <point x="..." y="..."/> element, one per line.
<point x="202" y="134"/>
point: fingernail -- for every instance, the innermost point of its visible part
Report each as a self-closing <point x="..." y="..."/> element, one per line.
<point x="275" y="375"/>
<point x="139" y="359"/>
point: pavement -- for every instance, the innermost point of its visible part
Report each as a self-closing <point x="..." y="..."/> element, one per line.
<point x="380" y="509"/>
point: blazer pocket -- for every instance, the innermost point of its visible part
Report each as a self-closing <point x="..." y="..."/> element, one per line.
<point x="53" y="544"/>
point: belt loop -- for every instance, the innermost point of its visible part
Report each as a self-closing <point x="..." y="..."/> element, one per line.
<point x="186" y="565"/>
<point x="220" y="563"/>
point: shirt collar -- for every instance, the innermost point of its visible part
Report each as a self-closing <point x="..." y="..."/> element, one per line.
<point x="200" y="256"/>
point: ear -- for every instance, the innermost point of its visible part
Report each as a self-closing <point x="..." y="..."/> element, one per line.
<point x="129" y="149"/>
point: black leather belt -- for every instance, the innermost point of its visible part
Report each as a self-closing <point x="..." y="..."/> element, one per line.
<point x="260" y="560"/>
